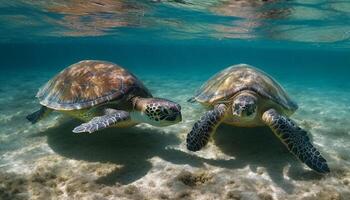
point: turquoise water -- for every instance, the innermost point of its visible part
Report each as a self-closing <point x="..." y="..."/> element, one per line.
<point x="174" y="47"/>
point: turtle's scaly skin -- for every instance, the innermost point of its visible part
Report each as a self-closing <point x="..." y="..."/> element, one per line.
<point x="296" y="140"/>
<point x="88" y="83"/>
<point x="225" y="84"/>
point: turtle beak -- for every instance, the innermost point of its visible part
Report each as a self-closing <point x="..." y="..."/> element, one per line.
<point x="238" y="114"/>
<point x="178" y="116"/>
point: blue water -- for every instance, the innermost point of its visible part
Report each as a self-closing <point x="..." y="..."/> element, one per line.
<point x="174" y="47"/>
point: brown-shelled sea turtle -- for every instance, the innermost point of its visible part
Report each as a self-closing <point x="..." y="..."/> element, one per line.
<point x="103" y="94"/>
<point x="244" y="96"/>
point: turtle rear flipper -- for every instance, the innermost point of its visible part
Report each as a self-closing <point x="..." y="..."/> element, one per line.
<point x="203" y="128"/>
<point x="191" y="100"/>
<point x="38" y="115"/>
<point x="296" y="140"/>
<point x="112" y="117"/>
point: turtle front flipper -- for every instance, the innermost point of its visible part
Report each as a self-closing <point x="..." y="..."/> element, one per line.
<point x="38" y="115"/>
<point x="111" y="118"/>
<point x="296" y="140"/>
<point x="203" y="128"/>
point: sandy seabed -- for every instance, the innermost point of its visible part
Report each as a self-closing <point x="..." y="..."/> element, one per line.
<point x="48" y="161"/>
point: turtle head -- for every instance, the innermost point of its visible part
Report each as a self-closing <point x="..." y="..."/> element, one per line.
<point x="158" y="112"/>
<point x="244" y="106"/>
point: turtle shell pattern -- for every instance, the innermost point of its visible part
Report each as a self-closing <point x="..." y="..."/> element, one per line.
<point x="88" y="83"/>
<point x="236" y="78"/>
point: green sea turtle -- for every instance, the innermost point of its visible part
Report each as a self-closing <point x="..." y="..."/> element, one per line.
<point x="244" y="96"/>
<point x="103" y="94"/>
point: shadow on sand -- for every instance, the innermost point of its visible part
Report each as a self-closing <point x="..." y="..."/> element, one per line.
<point x="130" y="147"/>
<point x="259" y="147"/>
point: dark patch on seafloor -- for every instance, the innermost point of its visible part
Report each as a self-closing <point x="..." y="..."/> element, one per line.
<point x="130" y="147"/>
<point x="193" y="179"/>
<point x="13" y="187"/>
<point x="259" y="147"/>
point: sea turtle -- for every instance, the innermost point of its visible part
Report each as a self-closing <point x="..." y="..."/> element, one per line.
<point x="103" y="94"/>
<point x="242" y="95"/>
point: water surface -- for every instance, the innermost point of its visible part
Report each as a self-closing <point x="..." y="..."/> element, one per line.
<point x="173" y="47"/>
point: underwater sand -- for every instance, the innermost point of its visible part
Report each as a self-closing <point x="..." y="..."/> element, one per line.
<point x="48" y="161"/>
<point x="174" y="46"/>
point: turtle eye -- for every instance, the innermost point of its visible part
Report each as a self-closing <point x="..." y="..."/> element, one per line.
<point x="250" y="110"/>
<point x="165" y="111"/>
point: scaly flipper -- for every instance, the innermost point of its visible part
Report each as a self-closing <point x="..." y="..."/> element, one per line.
<point x="97" y="123"/>
<point x="38" y="115"/>
<point x="296" y="140"/>
<point x="202" y="129"/>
